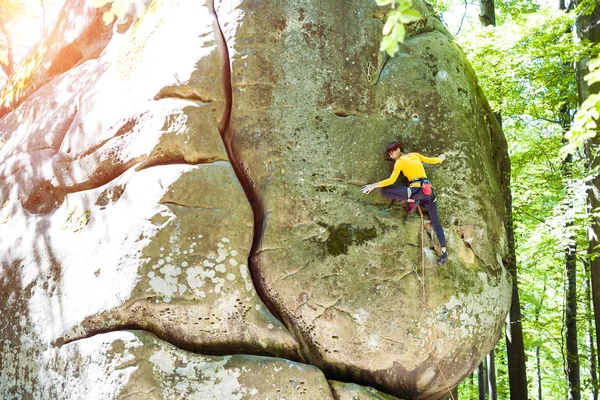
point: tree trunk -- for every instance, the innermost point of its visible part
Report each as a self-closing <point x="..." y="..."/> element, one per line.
<point x="487" y="14"/>
<point x="538" y="365"/>
<point x="571" y="319"/>
<point x="515" y="348"/>
<point x="538" y="358"/>
<point x="573" y="374"/>
<point x="7" y="66"/>
<point x="590" y="333"/>
<point x="588" y="28"/>
<point x="491" y="375"/>
<point x="572" y="356"/>
<point x="481" y="380"/>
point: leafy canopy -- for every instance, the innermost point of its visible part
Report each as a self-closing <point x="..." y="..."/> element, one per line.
<point x="584" y="124"/>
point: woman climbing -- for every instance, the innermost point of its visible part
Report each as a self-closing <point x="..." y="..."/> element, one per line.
<point x="419" y="189"/>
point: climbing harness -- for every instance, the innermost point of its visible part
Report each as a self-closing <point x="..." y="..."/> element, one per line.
<point x="431" y="350"/>
<point x="425" y="185"/>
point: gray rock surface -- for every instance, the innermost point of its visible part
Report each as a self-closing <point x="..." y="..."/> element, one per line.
<point x="137" y="365"/>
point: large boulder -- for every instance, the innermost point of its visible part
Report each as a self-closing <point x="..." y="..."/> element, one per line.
<point x="194" y="171"/>
<point x="310" y="127"/>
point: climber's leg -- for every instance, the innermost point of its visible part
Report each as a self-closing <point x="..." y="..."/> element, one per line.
<point x="396" y="192"/>
<point x="431" y="207"/>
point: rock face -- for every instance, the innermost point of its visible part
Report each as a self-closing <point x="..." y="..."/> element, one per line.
<point x="192" y="173"/>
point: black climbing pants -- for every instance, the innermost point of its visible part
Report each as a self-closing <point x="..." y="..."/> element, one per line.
<point x="430" y="203"/>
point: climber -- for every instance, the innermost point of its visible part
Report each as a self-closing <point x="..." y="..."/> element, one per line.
<point x="419" y="189"/>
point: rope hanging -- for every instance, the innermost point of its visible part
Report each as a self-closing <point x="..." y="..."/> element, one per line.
<point x="425" y="301"/>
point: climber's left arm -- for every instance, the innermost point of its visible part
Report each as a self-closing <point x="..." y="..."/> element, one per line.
<point x="431" y="160"/>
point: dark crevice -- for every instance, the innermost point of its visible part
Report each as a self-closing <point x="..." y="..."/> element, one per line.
<point x="333" y="392"/>
<point x="126" y="128"/>
<point x="179" y="204"/>
<point x="182" y="92"/>
<point x="241" y="172"/>
<point x="45" y="196"/>
<point x="345" y="114"/>
<point x="154" y="161"/>
<point x="99" y="180"/>
<point x="213" y="349"/>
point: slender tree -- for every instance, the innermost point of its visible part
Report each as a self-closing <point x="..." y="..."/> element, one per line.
<point x="538" y="358"/>
<point x="572" y="356"/>
<point x="482" y="380"/>
<point x="573" y="373"/>
<point x="538" y="366"/>
<point x="487" y="13"/>
<point x="588" y="29"/>
<point x="491" y="375"/>
<point x="515" y="347"/>
<point x="590" y="332"/>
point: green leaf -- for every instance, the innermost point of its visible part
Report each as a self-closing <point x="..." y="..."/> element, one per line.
<point x="592" y="77"/>
<point x="389" y="25"/>
<point x="404" y="5"/>
<point x="408" y="16"/>
<point x="392" y="49"/>
<point x="399" y="33"/>
<point x="385" y="42"/>
<point x="389" y="45"/>
<point x="594" y="64"/>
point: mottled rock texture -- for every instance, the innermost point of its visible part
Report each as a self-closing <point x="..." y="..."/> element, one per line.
<point x="194" y="171"/>
<point x="137" y="365"/>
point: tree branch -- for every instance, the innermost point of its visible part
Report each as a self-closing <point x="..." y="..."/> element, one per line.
<point x="462" y="19"/>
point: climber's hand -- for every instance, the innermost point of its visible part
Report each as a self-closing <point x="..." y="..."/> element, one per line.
<point x="442" y="156"/>
<point x="368" y="188"/>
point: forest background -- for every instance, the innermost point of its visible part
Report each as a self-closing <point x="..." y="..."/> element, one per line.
<point x="531" y="58"/>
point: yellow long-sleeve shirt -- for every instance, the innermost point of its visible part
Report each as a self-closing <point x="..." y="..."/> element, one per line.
<point x="412" y="166"/>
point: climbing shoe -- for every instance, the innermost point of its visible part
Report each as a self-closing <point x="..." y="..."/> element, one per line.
<point x="412" y="206"/>
<point x="443" y="258"/>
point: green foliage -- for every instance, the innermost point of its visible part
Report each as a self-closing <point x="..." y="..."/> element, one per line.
<point x="394" y="30"/>
<point x="529" y="58"/>
<point x="440" y="6"/>
<point x="584" y="125"/>
<point x="525" y="67"/>
<point x="507" y="10"/>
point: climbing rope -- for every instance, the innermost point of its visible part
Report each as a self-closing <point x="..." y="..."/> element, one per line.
<point x="431" y="350"/>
